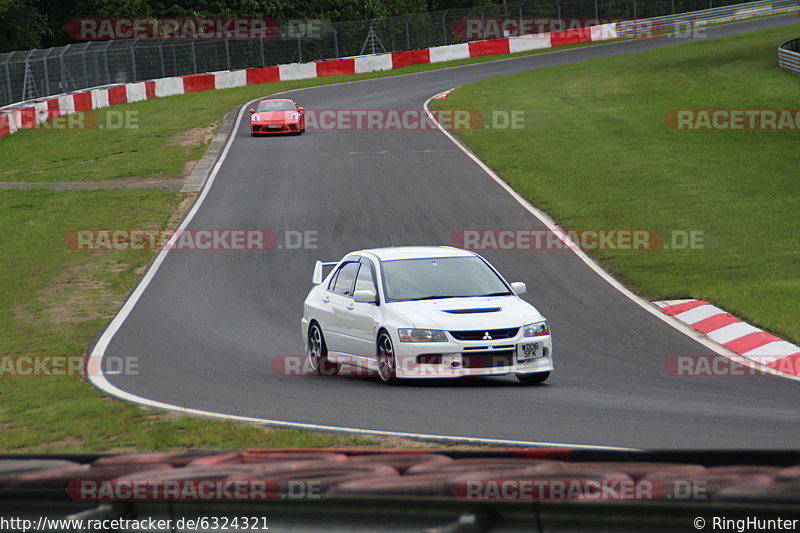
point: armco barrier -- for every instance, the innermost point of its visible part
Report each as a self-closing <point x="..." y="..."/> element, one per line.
<point x="29" y="114"/>
<point x="789" y="56"/>
<point x="704" y="17"/>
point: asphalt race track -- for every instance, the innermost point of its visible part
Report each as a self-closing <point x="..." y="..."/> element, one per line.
<point x="208" y="325"/>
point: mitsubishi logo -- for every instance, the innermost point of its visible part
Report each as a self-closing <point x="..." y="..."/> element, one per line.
<point x="487" y="337"/>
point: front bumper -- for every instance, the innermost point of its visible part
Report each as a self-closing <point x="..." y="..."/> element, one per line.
<point x="268" y="128"/>
<point x="472" y="358"/>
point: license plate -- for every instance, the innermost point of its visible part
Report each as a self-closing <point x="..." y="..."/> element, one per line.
<point x="529" y="350"/>
<point x="274" y="126"/>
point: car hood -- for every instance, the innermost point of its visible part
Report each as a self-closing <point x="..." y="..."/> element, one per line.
<point x="276" y="116"/>
<point x="496" y="312"/>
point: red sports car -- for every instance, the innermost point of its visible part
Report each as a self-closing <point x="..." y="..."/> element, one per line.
<point x="277" y="116"/>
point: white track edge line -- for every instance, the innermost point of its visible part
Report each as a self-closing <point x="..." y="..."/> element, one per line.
<point x="552" y="226"/>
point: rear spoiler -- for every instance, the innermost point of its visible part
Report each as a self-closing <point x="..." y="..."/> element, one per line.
<point x="316" y="278"/>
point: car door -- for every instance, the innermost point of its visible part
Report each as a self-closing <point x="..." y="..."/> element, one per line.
<point x="363" y="318"/>
<point x="336" y="299"/>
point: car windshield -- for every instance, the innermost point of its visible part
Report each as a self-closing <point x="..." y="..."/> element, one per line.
<point x="276" y="106"/>
<point x="440" y="277"/>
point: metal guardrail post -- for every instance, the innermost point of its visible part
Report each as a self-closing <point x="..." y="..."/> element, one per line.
<point x="335" y="40"/>
<point x="46" y="73"/>
<point x="62" y="70"/>
<point x="97" y="80"/>
<point x="228" y="53"/>
<point x="133" y="60"/>
<point x="299" y="49"/>
<point x="85" y="68"/>
<point x="8" y="82"/>
<point x="161" y="59"/>
<point x="105" y="62"/>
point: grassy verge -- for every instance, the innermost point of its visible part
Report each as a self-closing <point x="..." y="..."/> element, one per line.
<point x="595" y="153"/>
<point x="54" y="299"/>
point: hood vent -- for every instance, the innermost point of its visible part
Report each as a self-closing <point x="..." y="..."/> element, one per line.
<point x="472" y="311"/>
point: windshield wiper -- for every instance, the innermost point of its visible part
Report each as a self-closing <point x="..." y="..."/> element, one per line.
<point x="437" y="297"/>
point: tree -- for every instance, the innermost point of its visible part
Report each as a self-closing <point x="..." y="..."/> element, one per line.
<point x="21" y="26"/>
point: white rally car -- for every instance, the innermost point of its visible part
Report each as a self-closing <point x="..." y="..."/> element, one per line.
<point x="423" y="312"/>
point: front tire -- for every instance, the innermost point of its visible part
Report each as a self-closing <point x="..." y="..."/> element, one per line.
<point x="533" y="379"/>
<point x="387" y="362"/>
<point x="317" y="353"/>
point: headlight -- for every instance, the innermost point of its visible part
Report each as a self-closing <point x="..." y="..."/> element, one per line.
<point x="254" y="118"/>
<point x="536" y="330"/>
<point x="421" y="335"/>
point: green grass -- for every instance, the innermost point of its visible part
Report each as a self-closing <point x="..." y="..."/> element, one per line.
<point x="595" y="153"/>
<point x="53" y="299"/>
<point x="60" y="414"/>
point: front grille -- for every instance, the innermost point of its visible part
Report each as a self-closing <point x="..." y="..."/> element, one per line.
<point x="480" y="334"/>
<point x="488" y="359"/>
<point x="260" y="128"/>
<point x="429" y="359"/>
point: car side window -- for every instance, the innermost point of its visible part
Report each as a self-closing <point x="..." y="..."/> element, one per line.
<point x="344" y="279"/>
<point x="364" y="280"/>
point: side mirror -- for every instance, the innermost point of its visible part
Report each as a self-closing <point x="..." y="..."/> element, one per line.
<point x="365" y="296"/>
<point x="252" y="111"/>
<point x="519" y="287"/>
<point x="300" y="109"/>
